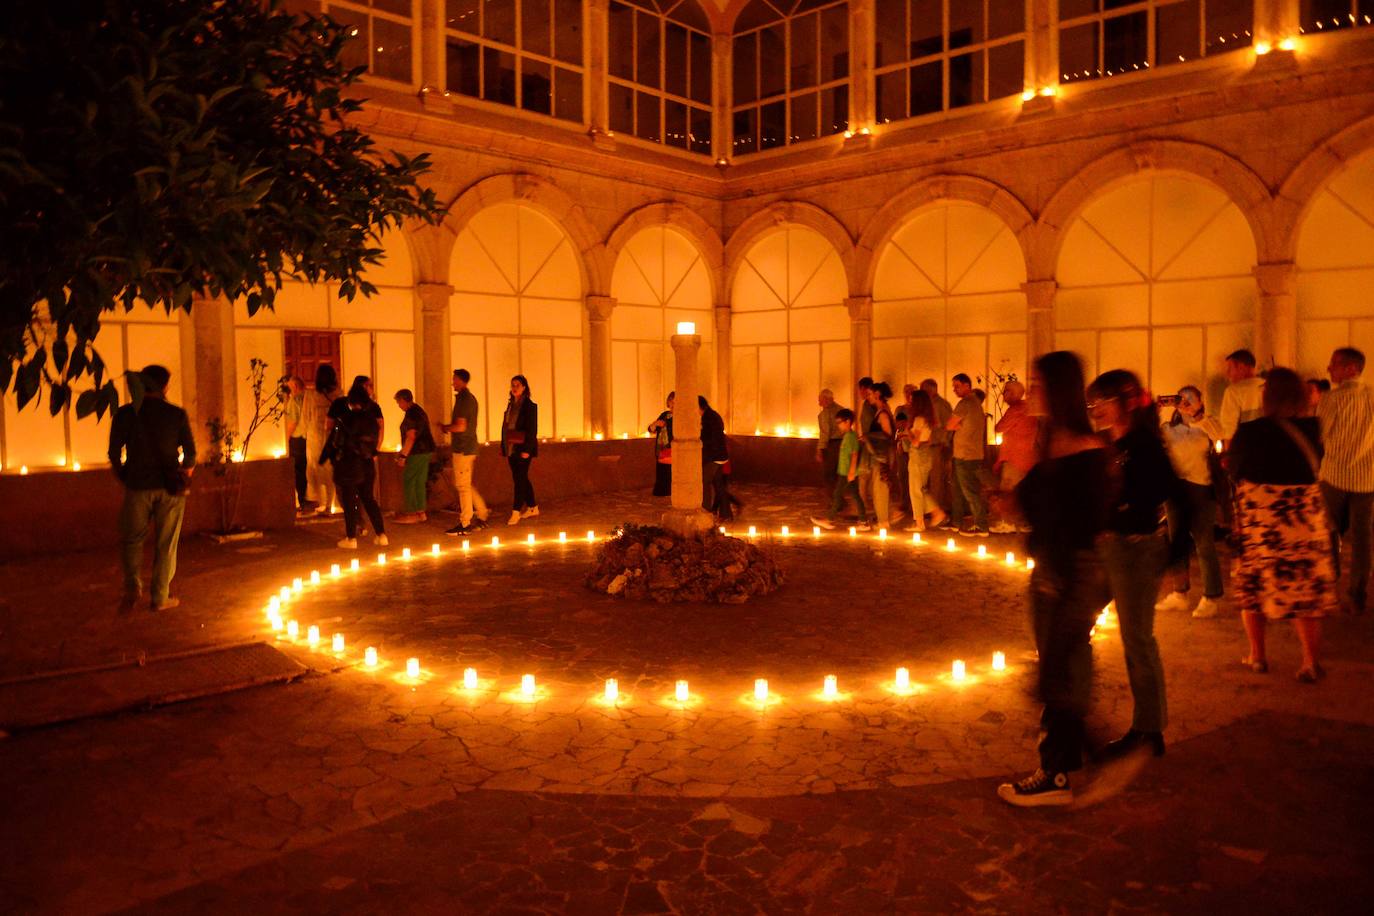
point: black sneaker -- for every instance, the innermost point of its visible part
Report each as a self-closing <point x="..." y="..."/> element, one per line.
<point x="477" y="524"/>
<point x="459" y="529"/>
<point x="1039" y="789"/>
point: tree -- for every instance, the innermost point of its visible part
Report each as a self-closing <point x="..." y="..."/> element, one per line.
<point x="155" y="150"/>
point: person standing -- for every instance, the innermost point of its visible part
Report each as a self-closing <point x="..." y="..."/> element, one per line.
<point x="153" y="454"/>
<point x="847" y="472"/>
<point x="1347" y="469"/>
<point x="920" y="434"/>
<point x="520" y="445"/>
<point x="1284" y="567"/>
<point x="662" y="430"/>
<point x="715" y="454"/>
<point x="1066" y="502"/>
<point x="1133" y="553"/>
<point x="1015" y="451"/>
<point x="879" y="442"/>
<point x="417" y="450"/>
<point x="462" y="430"/>
<point x="1192" y="509"/>
<point x="1244" y="397"/>
<point x="828" y="437"/>
<point x="352" y="450"/>
<point x="969" y="426"/>
<point x="295" y="438"/>
<point x="866" y="414"/>
<point x="315" y="406"/>
<point x="371" y="408"/>
<point x="941" y="470"/>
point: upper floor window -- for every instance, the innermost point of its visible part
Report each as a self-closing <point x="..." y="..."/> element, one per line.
<point x="934" y="55"/>
<point x="384" y="30"/>
<point x="1099" y="38"/>
<point x="522" y="53"/>
<point x="1318" y="16"/>
<point x="791" y="73"/>
<point x="660" y="72"/>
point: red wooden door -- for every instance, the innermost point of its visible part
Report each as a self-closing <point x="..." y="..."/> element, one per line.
<point x="306" y="351"/>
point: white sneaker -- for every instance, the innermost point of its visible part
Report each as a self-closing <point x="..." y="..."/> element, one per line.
<point x="349" y="543"/>
<point x="1174" y="601"/>
<point x="381" y="540"/>
<point x="825" y="523"/>
<point x="531" y="512"/>
<point x="1003" y="528"/>
<point x="1207" y="607"/>
<point x="514" y="519"/>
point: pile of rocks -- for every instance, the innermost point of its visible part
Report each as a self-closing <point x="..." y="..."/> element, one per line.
<point x="643" y="561"/>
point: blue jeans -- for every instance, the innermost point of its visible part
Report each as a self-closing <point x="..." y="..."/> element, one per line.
<point x="1134" y="564"/>
<point x="968" y="492"/>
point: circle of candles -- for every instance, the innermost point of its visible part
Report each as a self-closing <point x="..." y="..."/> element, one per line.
<point x="562" y="537"/>
<point x="529" y="539"/>
<point x="335" y="571"/>
<point x="761" y="689"/>
<point x="999" y="661"/>
<point x="297" y="584"/>
<point x="434" y="549"/>
<point x="680" y="691"/>
<point x="957" y="669"/>
<point x="381" y="559"/>
<point x="405" y="553"/>
<point x="338" y="642"/>
<point x="495" y="541"/>
<point x="354" y="565"/>
<point x="527" y="684"/>
<point x="312" y="636"/>
<point x="832" y="687"/>
<point x="902" y="679"/>
<point x="314" y="577"/>
<point x="370" y="657"/>
<point x="412" y="667"/>
<point x="470" y="678"/>
<point x="293" y="629"/>
<point x="612" y="690"/>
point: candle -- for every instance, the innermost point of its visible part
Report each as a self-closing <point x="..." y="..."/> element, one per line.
<point x="957" y="669"/>
<point x="434" y="549"/>
<point x="882" y="534"/>
<point x="529" y="539"/>
<point x="466" y="546"/>
<point x="853" y="532"/>
<point x="1011" y="558"/>
<point x="273" y="605"/>
<point x="591" y="537"/>
<point x="785" y="531"/>
<point x="275" y="620"/>
<point x="680" y="691"/>
<point x="527" y="684"/>
<point x="949" y="545"/>
<point x="312" y="636"/>
<point x="381" y="559"/>
<point x="999" y="661"/>
<point x="335" y="571"/>
<point x="721" y="529"/>
<point x="338" y="642"/>
<point x="815" y="531"/>
<point x="314" y="577"/>
<point x="1030" y="564"/>
<point x="982" y="552"/>
<point x="23" y="470"/>
<point x="686" y="327"/>
<point x="412" y="667"/>
<point x="285" y="593"/>
<point x="562" y="537"/>
<point x="902" y="679"/>
<point x="612" y="690"/>
<point x="916" y="538"/>
<point x="470" y="678"/>
<point x="495" y="541"/>
<point x="405" y="553"/>
<point x="1217" y="446"/>
<point x="297" y="584"/>
<point x="831" y="688"/>
<point x="293" y="629"/>
<point x="353" y="565"/>
<point x="761" y="689"/>
<point x="753" y="531"/>
<point x="370" y="657"/>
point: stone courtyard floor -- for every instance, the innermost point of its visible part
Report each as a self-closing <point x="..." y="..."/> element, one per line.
<point x="358" y="790"/>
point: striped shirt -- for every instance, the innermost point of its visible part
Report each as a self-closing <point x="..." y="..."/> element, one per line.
<point x="1347" y="417"/>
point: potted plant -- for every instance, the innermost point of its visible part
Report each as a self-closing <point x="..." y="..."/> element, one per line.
<point x="224" y="458"/>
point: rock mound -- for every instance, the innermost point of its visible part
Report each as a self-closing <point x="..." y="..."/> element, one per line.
<point x="645" y="561"/>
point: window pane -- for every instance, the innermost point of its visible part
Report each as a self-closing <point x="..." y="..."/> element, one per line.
<point x="804" y="51"/>
<point x="1120" y="4"/>
<point x="622" y="103"/>
<point x="1330" y="13"/>
<point x="966" y="79"/>
<point x="1068" y="9"/>
<point x="391" y="49"/>
<point x="701" y="131"/>
<point x="772" y="61"/>
<point x="1006" y="17"/>
<point x="498" y="76"/>
<point x="1125" y="43"/>
<point x="621" y="53"/>
<point x="965" y="24"/>
<point x="1176" y="33"/>
<point x="889" y="32"/>
<point x="927" y="88"/>
<point x="675" y="59"/>
<point x="926" y="24"/>
<point x="464" y="59"/>
<point x="835" y="110"/>
<point x="646" y="116"/>
<point x="1006" y="70"/>
<point x="891" y="97"/>
<point x="534" y="27"/>
<point x="498" y="21"/>
<point x="567" y="30"/>
<point x="567" y="103"/>
<point x="397" y="7"/>
<point x="675" y="124"/>
<point x="536" y="86"/>
<point x="746" y="69"/>
<point x="647" y="56"/>
<point x="755" y="14"/>
<point x="689" y="13"/>
<point x="1078" y="53"/>
<point x="834" y="43"/>
<point x="772" y="125"/>
<point x="1228" y="25"/>
<point x="745" y="130"/>
<point x="355" y="49"/>
<point x="804" y="118"/>
<point x="462" y="15"/>
<point x="701" y="68"/>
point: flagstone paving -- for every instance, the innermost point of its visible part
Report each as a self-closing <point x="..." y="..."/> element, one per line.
<point x="300" y="785"/>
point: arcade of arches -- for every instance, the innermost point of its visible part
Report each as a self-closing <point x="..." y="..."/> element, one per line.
<point x="824" y="198"/>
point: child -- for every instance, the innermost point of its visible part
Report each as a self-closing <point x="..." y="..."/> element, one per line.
<point x="848" y="470"/>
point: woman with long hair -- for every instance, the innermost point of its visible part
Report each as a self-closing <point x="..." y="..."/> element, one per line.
<point x="919" y="436"/>
<point x="1192" y="509"/>
<point x="662" y="430"/>
<point x="315" y="404"/>
<point x="1134" y="553"/>
<point x="1064" y="497"/>
<point x="1284" y="567"/>
<point x="520" y="444"/>
<point x="879" y="440"/>
<point x="353" y="451"/>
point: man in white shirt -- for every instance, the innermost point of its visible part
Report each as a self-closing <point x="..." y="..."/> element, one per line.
<point x="1244" y="398"/>
<point x="1347" y="470"/>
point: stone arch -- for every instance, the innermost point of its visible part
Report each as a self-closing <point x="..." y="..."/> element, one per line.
<point x="553" y="202"/>
<point x="1205" y="163"/>
<point x="778" y="215"/>
<point x="1299" y="190"/>
<point x="935" y="189"/>
<point x="681" y="218"/>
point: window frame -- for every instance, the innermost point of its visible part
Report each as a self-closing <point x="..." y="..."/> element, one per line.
<point x="1355" y="20"/>
<point x="1151" y="10"/>
<point x="661" y="92"/>
<point x="365" y="8"/>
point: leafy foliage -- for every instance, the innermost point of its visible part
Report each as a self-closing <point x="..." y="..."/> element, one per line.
<point x="154" y="151"/>
<point x="227" y="450"/>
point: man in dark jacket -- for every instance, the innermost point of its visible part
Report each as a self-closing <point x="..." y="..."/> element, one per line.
<point x="144" y="446"/>
<point x="715" y="494"/>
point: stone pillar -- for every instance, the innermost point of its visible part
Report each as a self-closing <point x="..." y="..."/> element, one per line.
<point x="722" y="97"/>
<point x="862" y="104"/>
<point x="1276" y="20"/>
<point x="686" y="517"/>
<point x="1039" y="317"/>
<point x="860" y="339"/>
<point x="1276" y="319"/>
<point x="433" y="374"/>
<point x="434" y="94"/>
<point x="598" y="63"/>
<point x="209" y="367"/>
<point x="599" y="310"/>
<point x="723" y="400"/>
<point x="1042" y="49"/>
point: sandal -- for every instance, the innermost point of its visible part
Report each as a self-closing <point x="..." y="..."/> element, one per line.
<point x="1258" y="667"/>
<point x="1311" y="675"/>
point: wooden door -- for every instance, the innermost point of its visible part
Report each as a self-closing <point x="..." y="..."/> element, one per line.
<point x="306" y="351"/>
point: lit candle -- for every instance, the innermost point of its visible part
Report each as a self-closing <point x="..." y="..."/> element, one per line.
<point x="405" y="553"/>
<point x="681" y="692"/>
<point x="949" y="545"/>
<point x="335" y="571"/>
<point x="753" y="531"/>
<point x="76" y="465"/>
<point x="999" y="661"/>
<point x="293" y="629"/>
<point x="381" y="559"/>
<point x="916" y="538"/>
<point x="338" y="642"/>
<point x="761" y="689"/>
<point x="1030" y="564"/>
<point x="470" y="678"/>
<point x="612" y="690"/>
<point x="370" y="657"/>
<point x="831" y="688"/>
<point x="312" y="636"/>
<point x="686" y="327"/>
<point x="882" y="534"/>
<point x="591" y="537"/>
<point x="853" y="532"/>
<point x="598" y="436"/>
<point x="903" y="679"/>
<point x="527" y="684"/>
<point x="495" y="541"/>
<point x="1217" y="446"/>
<point x="982" y="552"/>
<point x="23" y="470"/>
<point x="1011" y="558"/>
<point x="434" y="549"/>
<point x="275" y="620"/>
<point x="297" y="584"/>
<point x="562" y="537"/>
<point x="285" y="593"/>
<point x="815" y="531"/>
<point x="353" y="565"/>
<point x="722" y="529"/>
<point x="786" y="531"/>
<point x="466" y="545"/>
<point x="273" y="605"/>
<point x="412" y="667"/>
<point x="314" y="577"/>
<point x="529" y="539"/>
<point x="957" y="670"/>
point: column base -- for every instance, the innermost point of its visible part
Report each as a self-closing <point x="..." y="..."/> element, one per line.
<point x="688" y="523"/>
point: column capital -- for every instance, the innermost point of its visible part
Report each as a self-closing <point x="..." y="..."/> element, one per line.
<point x="1040" y="294"/>
<point x="1277" y="278"/>
<point x="860" y="308"/>
<point x="599" y="308"/>
<point x="433" y="296"/>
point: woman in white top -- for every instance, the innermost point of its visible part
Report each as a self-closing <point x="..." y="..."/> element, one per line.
<point x="319" y="477"/>
<point x="919" y="436"/>
<point x="1189" y="438"/>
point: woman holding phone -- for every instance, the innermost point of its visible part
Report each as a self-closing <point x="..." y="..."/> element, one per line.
<point x="520" y="444"/>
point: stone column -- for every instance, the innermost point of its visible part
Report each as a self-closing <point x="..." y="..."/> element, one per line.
<point x="433" y="374"/>
<point x="434" y="94"/>
<point x="1276" y="20"/>
<point x="1276" y="319"/>
<point x="1042" y="41"/>
<point x="1039" y="317"/>
<point x="860" y="339"/>
<point x="862" y="105"/>
<point x="209" y="368"/>
<point x="599" y="310"/>
<point x="723" y="400"/>
<point x="722" y="97"/>
<point x="598" y="63"/>
<point x="686" y="517"/>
